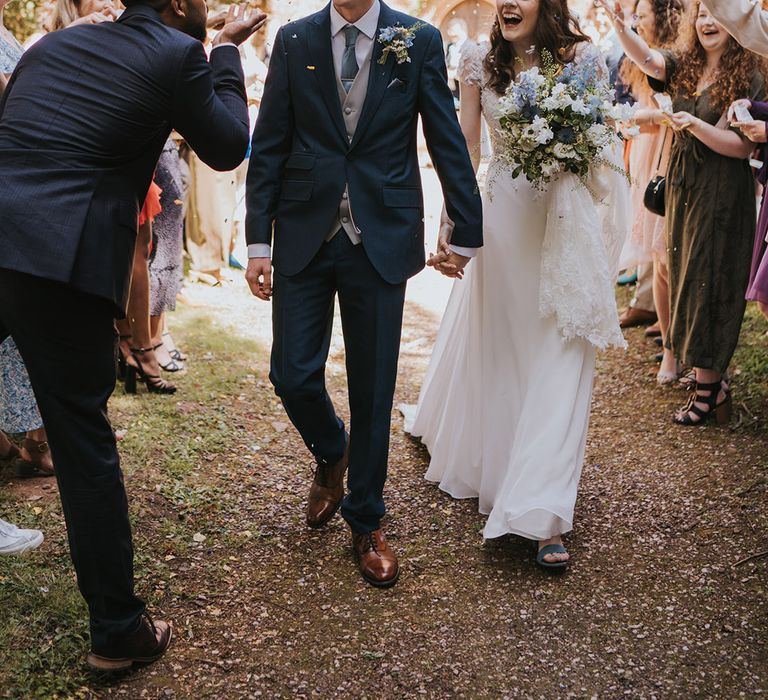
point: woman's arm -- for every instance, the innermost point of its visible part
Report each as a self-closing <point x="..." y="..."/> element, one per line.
<point x="649" y="120"/>
<point x="650" y="61"/>
<point x="718" y="138"/>
<point x="470" y="119"/>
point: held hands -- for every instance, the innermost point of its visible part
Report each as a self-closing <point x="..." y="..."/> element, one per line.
<point x="445" y="261"/>
<point x="259" y="278"/>
<point x="239" y="25"/>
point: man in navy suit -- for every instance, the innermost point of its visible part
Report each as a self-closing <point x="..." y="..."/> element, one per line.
<point x="82" y="124"/>
<point x="334" y="182"/>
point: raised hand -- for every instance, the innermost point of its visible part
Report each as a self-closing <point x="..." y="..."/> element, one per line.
<point x="108" y="14"/>
<point x="746" y="104"/>
<point x="613" y="9"/>
<point x="239" y="25"/>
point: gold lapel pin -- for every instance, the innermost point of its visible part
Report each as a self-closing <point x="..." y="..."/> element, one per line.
<point x="310" y="68"/>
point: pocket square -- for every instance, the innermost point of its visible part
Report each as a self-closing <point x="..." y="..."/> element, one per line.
<point x="396" y="83"/>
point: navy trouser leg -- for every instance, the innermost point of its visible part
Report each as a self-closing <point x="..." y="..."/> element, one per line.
<point x="372" y="318"/>
<point x="302" y="319"/>
<point x="67" y="341"/>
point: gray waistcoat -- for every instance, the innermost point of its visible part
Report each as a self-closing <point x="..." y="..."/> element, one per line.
<point x="351" y="107"/>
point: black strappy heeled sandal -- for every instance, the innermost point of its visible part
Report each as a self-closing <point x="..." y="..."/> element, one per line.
<point x="122" y="365"/>
<point x="172" y="366"/>
<point x="721" y="411"/>
<point x="155" y="384"/>
<point x="175" y="354"/>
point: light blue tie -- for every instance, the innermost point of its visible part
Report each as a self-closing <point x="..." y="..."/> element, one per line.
<point x="349" y="67"/>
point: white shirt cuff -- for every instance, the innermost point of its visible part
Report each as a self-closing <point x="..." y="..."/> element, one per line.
<point x="226" y="43"/>
<point x="466" y="252"/>
<point x="259" y="250"/>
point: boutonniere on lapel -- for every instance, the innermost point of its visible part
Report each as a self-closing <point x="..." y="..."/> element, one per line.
<point x="398" y="40"/>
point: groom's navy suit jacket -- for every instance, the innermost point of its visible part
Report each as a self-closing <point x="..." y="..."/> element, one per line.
<point x="82" y="125"/>
<point x="302" y="158"/>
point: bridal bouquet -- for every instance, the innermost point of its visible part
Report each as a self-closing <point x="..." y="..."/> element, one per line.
<point x="557" y="119"/>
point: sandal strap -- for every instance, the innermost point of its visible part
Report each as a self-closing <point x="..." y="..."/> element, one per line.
<point x="552" y="549"/>
<point x="35" y="446"/>
<point x="142" y="351"/>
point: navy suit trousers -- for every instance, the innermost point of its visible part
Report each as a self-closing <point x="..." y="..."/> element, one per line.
<point x="371" y="315"/>
<point x="68" y="343"/>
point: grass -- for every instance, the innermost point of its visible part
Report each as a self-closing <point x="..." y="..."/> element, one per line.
<point x="174" y="493"/>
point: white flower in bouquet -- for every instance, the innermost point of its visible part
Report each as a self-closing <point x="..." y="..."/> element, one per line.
<point x="563" y="151"/>
<point x="557" y="119"/>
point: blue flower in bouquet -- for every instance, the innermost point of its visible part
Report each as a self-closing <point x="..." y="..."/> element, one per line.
<point x="566" y="135"/>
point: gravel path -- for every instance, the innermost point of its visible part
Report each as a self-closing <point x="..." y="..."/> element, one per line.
<point x="656" y="604"/>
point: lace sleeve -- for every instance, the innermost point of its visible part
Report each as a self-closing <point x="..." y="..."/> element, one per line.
<point x="471" y="70"/>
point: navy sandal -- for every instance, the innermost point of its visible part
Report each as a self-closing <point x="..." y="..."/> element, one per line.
<point x="551" y="549"/>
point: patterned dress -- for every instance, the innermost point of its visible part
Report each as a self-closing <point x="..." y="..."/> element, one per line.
<point x="167" y="233"/>
<point x="18" y="408"/>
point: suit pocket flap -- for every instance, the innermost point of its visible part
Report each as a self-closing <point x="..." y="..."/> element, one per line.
<point x="301" y="161"/>
<point x="402" y="197"/>
<point x="297" y="190"/>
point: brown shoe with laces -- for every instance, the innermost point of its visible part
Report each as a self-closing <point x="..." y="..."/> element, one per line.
<point x="327" y="491"/>
<point x="147" y="644"/>
<point x="378" y="563"/>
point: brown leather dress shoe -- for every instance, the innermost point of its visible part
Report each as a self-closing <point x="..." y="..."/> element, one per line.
<point x="637" y="317"/>
<point x="147" y="644"/>
<point x="327" y="491"/>
<point x="378" y="563"/>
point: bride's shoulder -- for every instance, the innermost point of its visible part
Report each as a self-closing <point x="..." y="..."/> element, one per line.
<point x="471" y="68"/>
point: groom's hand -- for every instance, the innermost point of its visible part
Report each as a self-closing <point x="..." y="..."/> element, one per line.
<point x="453" y="266"/>
<point x="239" y="25"/>
<point x="259" y="277"/>
<point x="443" y="245"/>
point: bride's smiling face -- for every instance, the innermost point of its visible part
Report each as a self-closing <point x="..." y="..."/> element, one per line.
<point x="518" y="19"/>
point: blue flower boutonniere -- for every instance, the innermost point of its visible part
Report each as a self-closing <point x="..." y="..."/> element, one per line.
<point x="398" y="40"/>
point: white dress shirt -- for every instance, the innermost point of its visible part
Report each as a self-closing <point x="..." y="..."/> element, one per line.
<point x="368" y="25"/>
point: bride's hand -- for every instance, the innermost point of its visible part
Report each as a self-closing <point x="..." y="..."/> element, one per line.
<point x="443" y="244"/>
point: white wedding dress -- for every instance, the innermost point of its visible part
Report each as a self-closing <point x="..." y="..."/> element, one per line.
<point x="505" y="405"/>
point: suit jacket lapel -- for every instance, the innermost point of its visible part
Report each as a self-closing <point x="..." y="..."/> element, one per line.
<point x="321" y="53"/>
<point x="379" y="78"/>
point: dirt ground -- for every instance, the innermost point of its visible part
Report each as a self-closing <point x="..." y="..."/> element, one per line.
<point x="659" y="601"/>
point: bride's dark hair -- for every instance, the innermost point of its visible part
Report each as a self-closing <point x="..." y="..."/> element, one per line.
<point x="557" y="31"/>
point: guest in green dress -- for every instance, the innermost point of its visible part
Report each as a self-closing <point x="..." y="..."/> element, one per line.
<point x="710" y="198"/>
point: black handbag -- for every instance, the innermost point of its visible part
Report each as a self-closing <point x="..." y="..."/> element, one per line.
<point x="656" y="190"/>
